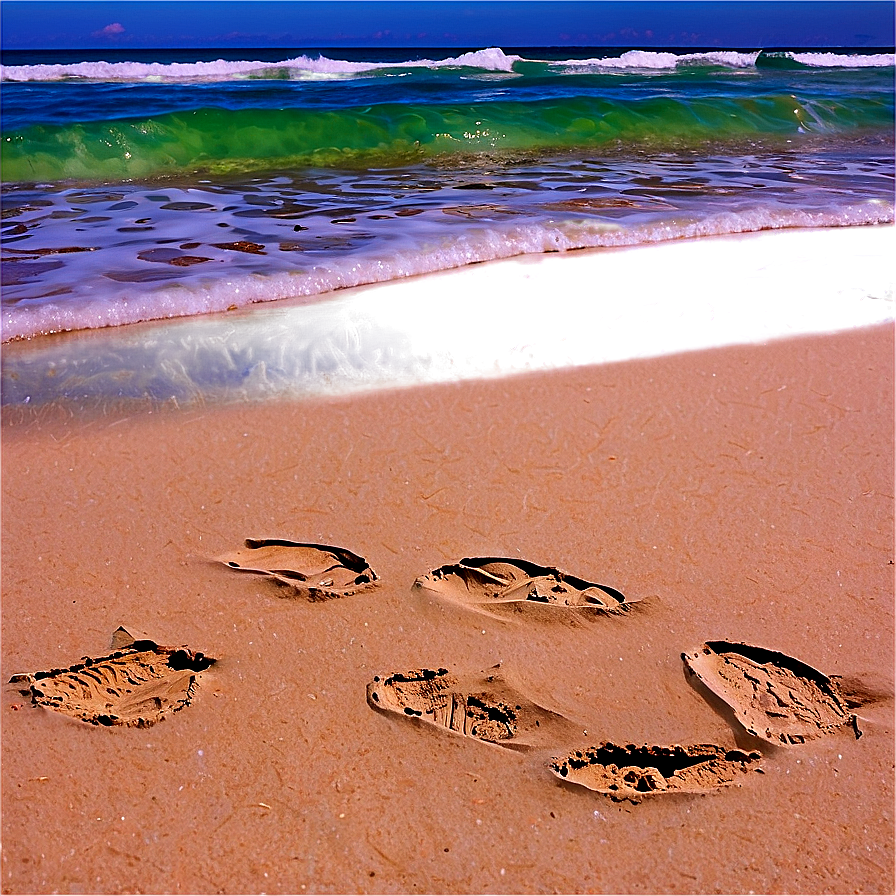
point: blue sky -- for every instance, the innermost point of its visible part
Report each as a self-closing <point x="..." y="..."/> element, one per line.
<point x="101" y="24"/>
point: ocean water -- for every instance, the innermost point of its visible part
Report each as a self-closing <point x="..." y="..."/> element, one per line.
<point x="161" y="184"/>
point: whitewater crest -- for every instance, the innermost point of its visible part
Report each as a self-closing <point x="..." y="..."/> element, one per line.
<point x="652" y="59"/>
<point x="842" y="60"/>
<point x="296" y="68"/>
<point x="306" y="67"/>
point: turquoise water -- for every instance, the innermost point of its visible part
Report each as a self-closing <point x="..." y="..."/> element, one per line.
<point x="117" y="120"/>
<point x="214" y="140"/>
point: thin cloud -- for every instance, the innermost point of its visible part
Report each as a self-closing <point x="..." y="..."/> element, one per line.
<point x="112" y="30"/>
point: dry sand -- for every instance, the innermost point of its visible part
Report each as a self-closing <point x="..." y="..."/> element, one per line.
<point x="743" y="493"/>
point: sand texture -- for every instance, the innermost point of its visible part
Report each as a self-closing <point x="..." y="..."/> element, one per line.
<point x="741" y="498"/>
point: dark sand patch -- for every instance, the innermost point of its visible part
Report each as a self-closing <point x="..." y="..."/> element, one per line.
<point x="242" y="246"/>
<point x="171" y="256"/>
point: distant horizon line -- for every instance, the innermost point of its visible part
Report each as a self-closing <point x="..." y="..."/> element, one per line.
<point x="461" y="47"/>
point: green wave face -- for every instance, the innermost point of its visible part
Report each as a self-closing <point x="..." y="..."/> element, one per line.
<point x="780" y="60"/>
<point x="220" y="141"/>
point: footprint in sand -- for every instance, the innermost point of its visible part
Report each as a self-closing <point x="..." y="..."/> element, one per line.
<point x="487" y="584"/>
<point x="631" y="773"/>
<point x="136" y="685"/>
<point x="316" y="571"/>
<point x="774" y="696"/>
<point x="481" y="705"/>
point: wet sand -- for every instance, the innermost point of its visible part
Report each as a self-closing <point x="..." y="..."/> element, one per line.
<point x="742" y="493"/>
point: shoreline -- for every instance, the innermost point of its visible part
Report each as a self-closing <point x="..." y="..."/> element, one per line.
<point x="327" y="284"/>
<point x="527" y="313"/>
<point x="743" y="492"/>
<point x="21" y="420"/>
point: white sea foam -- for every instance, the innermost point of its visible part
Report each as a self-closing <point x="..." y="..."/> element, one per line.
<point x="841" y="60"/>
<point x="299" y="68"/>
<point x="116" y="303"/>
<point x="491" y="59"/>
<point x="652" y="59"/>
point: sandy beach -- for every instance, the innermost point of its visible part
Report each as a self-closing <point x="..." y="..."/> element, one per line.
<point x="447" y="450"/>
<point x="741" y="493"/>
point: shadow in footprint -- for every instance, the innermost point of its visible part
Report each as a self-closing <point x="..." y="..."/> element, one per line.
<point x="772" y="695"/>
<point x="631" y="772"/>
<point x="314" y="571"/>
<point x="501" y="586"/>
<point x="743" y="739"/>
<point x="135" y="686"/>
<point x="480" y="705"/>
